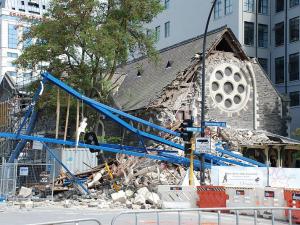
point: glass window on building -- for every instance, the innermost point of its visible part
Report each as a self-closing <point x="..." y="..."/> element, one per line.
<point x="218" y="9"/>
<point x="249" y="6"/>
<point x="294" y="29"/>
<point x="279" y="70"/>
<point x="263" y="6"/>
<point x="12" y="36"/>
<point x="294" y="3"/>
<point x="263" y="35"/>
<point x="279" y="5"/>
<point x="167" y="4"/>
<point x="295" y="98"/>
<point x="28" y="41"/>
<point x="12" y="55"/>
<point x="249" y="33"/>
<point x="167" y="29"/>
<point x="294" y="66"/>
<point x="279" y="34"/>
<point x="228" y="7"/>
<point x="157" y="33"/>
<point x="264" y="64"/>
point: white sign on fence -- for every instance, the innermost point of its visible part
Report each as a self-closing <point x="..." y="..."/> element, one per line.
<point x="237" y="176"/>
<point x="24" y="171"/>
<point x="255" y="176"/>
<point x="284" y="177"/>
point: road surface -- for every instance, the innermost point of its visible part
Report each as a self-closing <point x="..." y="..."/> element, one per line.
<point x="16" y="216"/>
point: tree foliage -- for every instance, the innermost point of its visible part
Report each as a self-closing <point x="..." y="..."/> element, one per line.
<point x="84" y="41"/>
<point x="297" y="132"/>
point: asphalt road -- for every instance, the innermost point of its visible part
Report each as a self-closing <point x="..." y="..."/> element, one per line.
<point x="15" y="216"/>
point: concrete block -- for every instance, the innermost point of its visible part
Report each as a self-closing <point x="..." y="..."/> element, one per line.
<point x="129" y="193"/>
<point x="139" y="199"/>
<point x="152" y="198"/>
<point x="25" y="192"/>
<point x="119" y="196"/>
<point x="143" y="191"/>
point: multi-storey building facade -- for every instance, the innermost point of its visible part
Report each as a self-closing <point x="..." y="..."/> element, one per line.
<point x="13" y="25"/>
<point x="267" y="29"/>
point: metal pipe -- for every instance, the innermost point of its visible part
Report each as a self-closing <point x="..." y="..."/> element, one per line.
<point x="236" y="209"/>
<point x="285" y="48"/>
<point x="237" y="217"/>
<point x="273" y="217"/>
<point x="179" y="218"/>
<point x="219" y="217"/>
<point x="136" y="219"/>
<point x="255" y="217"/>
<point x="290" y="217"/>
<point x="69" y="221"/>
<point x="202" y="159"/>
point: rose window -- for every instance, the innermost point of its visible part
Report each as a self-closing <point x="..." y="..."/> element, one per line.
<point x="229" y="87"/>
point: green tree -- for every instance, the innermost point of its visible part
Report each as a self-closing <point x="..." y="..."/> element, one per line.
<point x="84" y="41"/>
<point x="297" y="132"/>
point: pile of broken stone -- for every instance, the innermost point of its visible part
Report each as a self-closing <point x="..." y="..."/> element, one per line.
<point x="137" y="180"/>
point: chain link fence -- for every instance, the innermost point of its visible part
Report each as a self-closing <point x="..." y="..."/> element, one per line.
<point x="26" y="180"/>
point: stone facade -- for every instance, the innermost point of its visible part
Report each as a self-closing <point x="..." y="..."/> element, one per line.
<point x="237" y="89"/>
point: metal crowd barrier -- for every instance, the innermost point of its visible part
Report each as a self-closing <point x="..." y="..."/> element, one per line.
<point x="201" y="210"/>
<point x="75" y="222"/>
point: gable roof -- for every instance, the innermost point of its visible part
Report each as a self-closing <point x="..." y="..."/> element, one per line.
<point x="145" y="79"/>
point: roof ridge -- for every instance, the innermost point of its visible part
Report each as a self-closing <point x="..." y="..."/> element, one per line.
<point x="223" y="28"/>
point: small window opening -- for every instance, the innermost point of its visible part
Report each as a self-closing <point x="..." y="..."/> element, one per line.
<point x="139" y="73"/>
<point x="169" y="64"/>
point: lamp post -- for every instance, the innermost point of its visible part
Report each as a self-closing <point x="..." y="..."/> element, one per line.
<point x="202" y="159"/>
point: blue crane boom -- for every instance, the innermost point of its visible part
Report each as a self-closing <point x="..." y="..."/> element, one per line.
<point x="117" y="116"/>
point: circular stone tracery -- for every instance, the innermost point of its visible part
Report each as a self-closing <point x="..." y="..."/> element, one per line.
<point x="229" y="88"/>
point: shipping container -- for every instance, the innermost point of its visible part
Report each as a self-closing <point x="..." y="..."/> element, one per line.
<point x="76" y="160"/>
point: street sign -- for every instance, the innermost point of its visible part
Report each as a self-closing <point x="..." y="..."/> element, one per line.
<point x="194" y="129"/>
<point x="214" y="124"/>
<point x="203" y="145"/>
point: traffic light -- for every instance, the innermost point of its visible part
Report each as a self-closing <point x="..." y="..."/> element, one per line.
<point x="187" y="148"/>
<point x="186" y="135"/>
<point x="90" y="138"/>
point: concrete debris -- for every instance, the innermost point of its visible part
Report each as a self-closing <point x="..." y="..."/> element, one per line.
<point x="26" y="205"/>
<point x="152" y="198"/>
<point x="129" y="193"/>
<point x="25" y="192"/>
<point x="119" y="197"/>
<point x="139" y="199"/>
<point x="138" y="179"/>
<point x="96" y="178"/>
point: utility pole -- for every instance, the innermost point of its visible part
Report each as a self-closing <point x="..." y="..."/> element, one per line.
<point x="202" y="159"/>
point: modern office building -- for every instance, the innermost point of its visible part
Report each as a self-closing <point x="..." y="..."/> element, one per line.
<point x="13" y="15"/>
<point x="267" y="29"/>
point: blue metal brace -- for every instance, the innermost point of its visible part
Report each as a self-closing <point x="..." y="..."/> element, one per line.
<point x="74" y="178"/>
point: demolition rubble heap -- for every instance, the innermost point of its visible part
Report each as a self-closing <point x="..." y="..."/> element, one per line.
<point x="135" y="180"/>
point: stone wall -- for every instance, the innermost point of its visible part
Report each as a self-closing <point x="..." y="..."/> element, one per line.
<point x="238" y="92"/>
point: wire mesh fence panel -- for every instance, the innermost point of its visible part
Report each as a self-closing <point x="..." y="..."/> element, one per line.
<point x="26" y="180"/>
<point x="8" y="177"/>
<point x="38" y="177"/>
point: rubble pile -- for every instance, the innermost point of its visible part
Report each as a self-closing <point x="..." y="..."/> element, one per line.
<point x="137" y="179"/>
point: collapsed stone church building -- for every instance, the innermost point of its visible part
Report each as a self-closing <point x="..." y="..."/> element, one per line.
<point x="238" y="90"/>
<point x="167" y="91"/>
